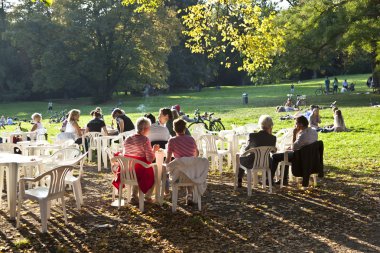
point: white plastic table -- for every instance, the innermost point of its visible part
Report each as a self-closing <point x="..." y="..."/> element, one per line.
<point x="12" y="163"/>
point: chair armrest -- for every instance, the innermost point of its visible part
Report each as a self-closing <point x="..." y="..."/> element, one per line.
<point x="29" y="179"/>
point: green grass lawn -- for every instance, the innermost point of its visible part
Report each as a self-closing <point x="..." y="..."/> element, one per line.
<point x="356" y="151"/>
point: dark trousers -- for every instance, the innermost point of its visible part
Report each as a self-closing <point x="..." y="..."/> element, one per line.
<point x="279" y="157"/>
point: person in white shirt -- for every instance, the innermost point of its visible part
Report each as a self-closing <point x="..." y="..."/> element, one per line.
<point x="302" y="135"/>
<point x="37" y="128"/>
<point x="158" y="134"/>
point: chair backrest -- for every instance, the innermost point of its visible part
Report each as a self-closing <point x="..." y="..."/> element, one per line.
<point x="284" y="138"/>
<point x="57" y="179"/>
<point x="90" y="136"/>
<point x="109" y="153"/>
<point x="209" y="142"/>
<point x="126" y="134"/>
<point x="198" y="128"/>
<point x="127" y="167"/>
<point x="261" y="156"/>
<point x="66" y="154"/>
<point x="250" y="128"/>
<point x="10" y="148"/>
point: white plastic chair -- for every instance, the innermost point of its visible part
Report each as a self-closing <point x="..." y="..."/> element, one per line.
<point x="128" y="177"/>
<point x="260" y="164"/>
<point x="74" y="181"/>
<point x="44" y="195"/>
<point x="210" y="150"/>
<point x="184" y="181"/>
<point x="66" y="154"/>
<point x="286" y="162"/>
<point x="92" y="145"/>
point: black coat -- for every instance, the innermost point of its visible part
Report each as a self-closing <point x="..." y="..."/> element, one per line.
<point x="308" y="160"/>
<point x="258" y="139"/>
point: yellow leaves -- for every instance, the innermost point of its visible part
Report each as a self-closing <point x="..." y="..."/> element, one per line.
<point x="212" y="28"/>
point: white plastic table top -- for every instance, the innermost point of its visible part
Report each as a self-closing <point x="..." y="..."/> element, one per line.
<point x="12" y="162"/>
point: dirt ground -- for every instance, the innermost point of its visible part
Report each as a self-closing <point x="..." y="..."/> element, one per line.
<point x="342" y="214"/>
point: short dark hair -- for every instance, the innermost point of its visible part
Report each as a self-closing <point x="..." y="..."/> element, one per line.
<point x="116" y="110"/>
<point x="313" y="106"/>
<point x="166" y="111"/>
<point x="303" y="121"/>
<point x="150" y="117"/>
<point x="179" y="125"/>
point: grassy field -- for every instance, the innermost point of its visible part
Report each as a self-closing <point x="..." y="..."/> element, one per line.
<point x="357" y="150"/>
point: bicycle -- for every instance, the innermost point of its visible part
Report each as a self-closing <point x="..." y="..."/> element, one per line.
<point x="214" y="124"/>
<point x="319" y="91"/>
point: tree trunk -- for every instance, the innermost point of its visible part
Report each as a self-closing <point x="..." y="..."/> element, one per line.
<point x="314" y="74"/>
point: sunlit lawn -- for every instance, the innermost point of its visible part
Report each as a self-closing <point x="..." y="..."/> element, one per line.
<point x="355" y="150"/>
<point x="340" y="215"/>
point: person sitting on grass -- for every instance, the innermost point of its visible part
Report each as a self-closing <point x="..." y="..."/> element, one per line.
<point x="302" y="135"/>
<point x="2" y="121"/>
<point x="315" y="119"/>
<point x="124" y="123"/>
<point x="339" y="125"/>
<point x="262" y="138"/>
<point x="9" y="121"/>
<point x="37" y="128"/>
<point x="96" y="124"/>
<point x="138" y="146"/>
<point x="182" y="145"/>
<point x="176" y="115"/>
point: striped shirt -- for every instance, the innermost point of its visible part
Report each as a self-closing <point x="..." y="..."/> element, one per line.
<point x="139" y="145"/>
<point x="182" y="146"/>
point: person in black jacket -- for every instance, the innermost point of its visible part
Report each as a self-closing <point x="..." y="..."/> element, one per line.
<point x="124" y="123"/>
<point x="263" y="138"/>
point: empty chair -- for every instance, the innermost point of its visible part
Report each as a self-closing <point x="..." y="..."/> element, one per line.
<point x="61" y="157"/>
<point x="210" y="150"/>
<point x="260" y="164"/>
<point x="74" y="181"/>
<point x="44" y="195"/>
<point x="91" y="145"/>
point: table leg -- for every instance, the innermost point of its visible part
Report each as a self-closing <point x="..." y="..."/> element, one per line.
<point x="99" y="153"/>
<point x="104" y="154"/>
<point x="12" y="189"/>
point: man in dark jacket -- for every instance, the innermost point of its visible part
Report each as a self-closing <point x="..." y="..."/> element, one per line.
<point x="263" y="138"/>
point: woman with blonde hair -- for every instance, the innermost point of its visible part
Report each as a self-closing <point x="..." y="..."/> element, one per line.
<point x="73" y="127"/>
<point x="37" y="128"/>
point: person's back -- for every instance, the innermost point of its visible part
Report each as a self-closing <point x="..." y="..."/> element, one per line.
<point x="261" y="138"/>
<point x="128" y="124"/>
<point x="305" y="137"/>
<point x="95" y="125"/>
<point x="158" y="133"/>
<point x="182" y="146"/>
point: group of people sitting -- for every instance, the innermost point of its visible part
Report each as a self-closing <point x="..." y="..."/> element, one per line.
<point x="5" y="121"/>
<point x="315" y="120"/>
<point x="303" y="135"/>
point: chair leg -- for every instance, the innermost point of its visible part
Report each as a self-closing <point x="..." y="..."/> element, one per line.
<point x="255" y="177"/>
<point x="43" y="212"/>
<point x="77" y="193"/>
<point x="141" y="201"/>
<point x="264" y="178"/>
<point x="129" y="193"/>
<point x="249" y="182"/>
<point x="282" y="173"/>
<point x="314" y="176"/>
<point x="48" y="209"/>
<point x="19" y="204"/>
<point x="236" y="177"/>
<point x="198" y="198"/>
<point x="269" y="180"/>
<point x="64" y="209"/>
<point x="174" y="197"/>
<point x="220" y="163"/>
<point x="120" y="194"/>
